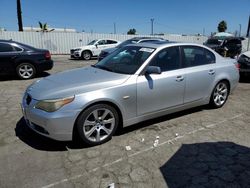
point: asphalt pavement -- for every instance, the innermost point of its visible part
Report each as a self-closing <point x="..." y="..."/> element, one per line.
<point x="200" y="147"/>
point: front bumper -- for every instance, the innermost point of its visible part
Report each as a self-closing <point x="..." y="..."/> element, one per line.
<point x="75" y="54"/>
<point x="56" y="125"/>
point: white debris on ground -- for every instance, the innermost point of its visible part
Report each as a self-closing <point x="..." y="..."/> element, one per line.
<point x="176" y="134"/>
<point x="112" y="185"/>
<point x="128" y="148"/>
<point x="142" y="140"/>
<point x="156" y="141"/>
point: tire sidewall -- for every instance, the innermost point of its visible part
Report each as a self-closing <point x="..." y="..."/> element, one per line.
<point x="85" y="114"/>
<point x="86" y="51"/>
<point x="212" y="103"/>
<point x="22" y="64"/>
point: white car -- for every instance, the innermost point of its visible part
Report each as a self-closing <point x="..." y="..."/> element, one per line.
<point x="93" y="49"/>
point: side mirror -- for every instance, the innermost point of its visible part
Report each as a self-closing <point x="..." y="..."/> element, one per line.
<point x="96" y="45"/>
<point x="153" y="70"/>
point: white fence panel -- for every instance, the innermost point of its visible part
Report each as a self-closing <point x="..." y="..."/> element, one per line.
<point x="61" y="43"/>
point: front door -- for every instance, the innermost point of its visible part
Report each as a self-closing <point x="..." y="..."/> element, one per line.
<point x="161" y="91"/>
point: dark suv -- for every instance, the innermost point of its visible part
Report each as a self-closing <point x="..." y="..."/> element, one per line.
<point x="23" y="60"/>
<point x="228" y="47"/>
<point x="134" y="40"/>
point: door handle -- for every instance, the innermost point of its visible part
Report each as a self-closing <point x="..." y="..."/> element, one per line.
<point x="179" y="78"/>
<point x="211" y="72"/>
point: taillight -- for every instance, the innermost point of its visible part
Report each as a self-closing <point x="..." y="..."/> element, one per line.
<point x="237" y="65"/>
<point x="47" y="55"/>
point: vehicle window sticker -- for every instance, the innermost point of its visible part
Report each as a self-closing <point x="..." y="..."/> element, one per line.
<point x="150" y="50"/>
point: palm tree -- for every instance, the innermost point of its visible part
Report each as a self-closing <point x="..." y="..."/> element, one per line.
<point x="222" y="26"/>
<point x="19" y="15"/>
<point x="44" y="27"/>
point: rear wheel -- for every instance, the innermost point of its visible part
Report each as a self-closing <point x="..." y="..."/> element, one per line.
<point x="219" y="95"/>
<point x="26" y="71"/>
<point x="86" y="55"/>
<point x="97" y="124"/>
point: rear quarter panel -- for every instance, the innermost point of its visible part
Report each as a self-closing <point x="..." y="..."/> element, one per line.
<point x="226" y="69"/>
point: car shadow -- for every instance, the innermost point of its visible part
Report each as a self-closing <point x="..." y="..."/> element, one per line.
<point x="147" y="123"/>
<point x="244" y="79"/>
<point x="214" y="164"/>
<point x="14" y="77"/>
<point x="80" y="59"/>
<point x="39" y="142"/>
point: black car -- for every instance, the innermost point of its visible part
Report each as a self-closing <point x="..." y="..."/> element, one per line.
<point x="244" y="62"/>
<point x="228" y="47"/>
<point x="23" y="60"/>
<point x="134" y="40"/>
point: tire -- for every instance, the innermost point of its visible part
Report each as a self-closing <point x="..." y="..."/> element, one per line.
<point x="86" y="55"/>
<point x="219" y="95"/>
<point x="97" y="124"/>
<point x="26" y="71"/>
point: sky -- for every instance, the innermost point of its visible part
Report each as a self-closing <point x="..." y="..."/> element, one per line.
<point x="99" y="16"/>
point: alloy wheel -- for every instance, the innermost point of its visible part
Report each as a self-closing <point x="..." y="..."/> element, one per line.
<point x="99" y="125"/>
<point x="220" y="94"/>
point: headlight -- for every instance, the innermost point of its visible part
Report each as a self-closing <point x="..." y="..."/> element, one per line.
<point x="78" y="49"/>
<point x="53" y="105"/>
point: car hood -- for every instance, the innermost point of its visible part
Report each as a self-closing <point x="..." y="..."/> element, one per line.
<point x="74" y="82"/>
<point x="247" y="53"/>
<point x="83" y="47"/>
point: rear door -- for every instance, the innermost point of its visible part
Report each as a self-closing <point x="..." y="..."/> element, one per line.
<point x="161" y="91"/>
<point x="8" y="54"/>
<point x="200" y="72"/>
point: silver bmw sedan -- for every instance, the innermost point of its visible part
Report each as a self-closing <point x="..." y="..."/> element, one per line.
<point x="133" y="84"/>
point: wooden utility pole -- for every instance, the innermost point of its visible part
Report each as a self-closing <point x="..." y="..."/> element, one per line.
<point x="19" y="15"/>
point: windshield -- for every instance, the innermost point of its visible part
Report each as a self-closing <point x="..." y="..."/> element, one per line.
<point x="92" y="42"/>
<point x="126" y="60"/>
<point x="213" y="41"/>
<point x="126" y="42"/>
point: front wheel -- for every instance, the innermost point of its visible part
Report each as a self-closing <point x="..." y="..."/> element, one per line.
<point x="97" y="124"/>
<point x="219" y="95"/>
<point x="26" y="71"/>
<point x="86" y="55"/>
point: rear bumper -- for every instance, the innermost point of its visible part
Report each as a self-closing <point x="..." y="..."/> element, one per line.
<point x="45" y="65"/>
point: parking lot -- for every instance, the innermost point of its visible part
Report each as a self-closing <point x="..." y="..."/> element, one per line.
<point x="200" y="147"/>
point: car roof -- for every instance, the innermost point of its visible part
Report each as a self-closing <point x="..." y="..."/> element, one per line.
<point x="146" y="38"/>
<point x="159" y="44"/>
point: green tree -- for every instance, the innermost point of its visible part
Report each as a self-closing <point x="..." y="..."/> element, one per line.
<point x="131" y="31"/>
<point x="222" y="26"/>
<point x="44" y="27"/>
<point x="19" y="15"/>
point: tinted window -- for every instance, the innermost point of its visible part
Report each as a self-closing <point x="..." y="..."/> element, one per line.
<point x="111" y="42"/>
<point x="5" y="47"/>
<point x="17" y="49"/>
<point x="102" y="42"/>
<point x="213" y="41"/>
<point x="167" y="59"/>
<point x="195" y="56"/>
<point x="233" y="41"/>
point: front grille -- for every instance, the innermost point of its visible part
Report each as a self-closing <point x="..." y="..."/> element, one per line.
<point x="28" y="99"/>
<point x="72" y="51"/>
